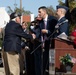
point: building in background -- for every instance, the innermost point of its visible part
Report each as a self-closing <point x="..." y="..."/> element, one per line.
<point x="28" y="18"/>
<point x="4" y="17"/>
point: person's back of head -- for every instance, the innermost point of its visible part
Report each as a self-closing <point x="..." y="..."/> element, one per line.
<point x="15" y="17"/>
<point x="24" y="25"/>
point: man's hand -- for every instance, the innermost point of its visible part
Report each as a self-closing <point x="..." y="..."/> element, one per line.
<point x="27" y="48"/>
<point x="34" y="36"/>
<point x="44" y="31"/>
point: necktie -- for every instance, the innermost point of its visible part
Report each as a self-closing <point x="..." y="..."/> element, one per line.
<point x="44" y="35"/>
<point x="45" y="24"/>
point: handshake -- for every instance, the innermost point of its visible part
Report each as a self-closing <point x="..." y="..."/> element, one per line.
<point x="34" y="36"/>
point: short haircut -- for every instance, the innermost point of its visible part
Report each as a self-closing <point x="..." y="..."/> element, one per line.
<point x="43" y="7"/>
<point x="63" y="11"/>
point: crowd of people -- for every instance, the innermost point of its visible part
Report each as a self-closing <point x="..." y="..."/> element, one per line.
<point x="26" y="49"/>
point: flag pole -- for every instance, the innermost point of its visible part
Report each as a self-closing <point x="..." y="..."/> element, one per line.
<point x="21" y="10"/>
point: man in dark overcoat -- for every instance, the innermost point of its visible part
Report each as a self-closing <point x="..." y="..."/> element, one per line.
<point x="12" y="43"/>
<point x="47" y="25"/>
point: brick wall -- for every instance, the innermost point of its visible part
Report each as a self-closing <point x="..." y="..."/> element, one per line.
<point x="26" y="18"/>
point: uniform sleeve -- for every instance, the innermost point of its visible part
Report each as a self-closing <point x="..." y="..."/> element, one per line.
<point x="64" y="28"/>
